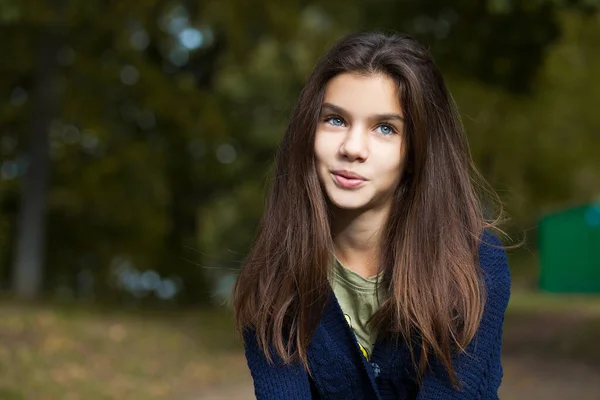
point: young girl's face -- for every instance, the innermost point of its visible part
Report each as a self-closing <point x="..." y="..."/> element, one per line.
<point x="359" y="147"/>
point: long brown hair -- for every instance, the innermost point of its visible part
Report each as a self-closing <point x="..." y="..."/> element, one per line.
<point x="429" y="249"/>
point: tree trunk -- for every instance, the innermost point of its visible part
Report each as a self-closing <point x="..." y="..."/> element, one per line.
<point x="30" y="252"/>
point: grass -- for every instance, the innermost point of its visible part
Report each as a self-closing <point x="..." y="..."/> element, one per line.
<point x="61" y="352"/>
<point x="558" y="326"/>
<point x="52" y="352"/>
<point x="549" y="325"/>
<point x="557" y="303"/>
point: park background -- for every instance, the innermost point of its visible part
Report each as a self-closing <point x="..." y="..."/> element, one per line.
<point x="136" y="139"/>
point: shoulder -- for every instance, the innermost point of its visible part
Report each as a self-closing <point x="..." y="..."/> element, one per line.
<point x="494" y="264"/>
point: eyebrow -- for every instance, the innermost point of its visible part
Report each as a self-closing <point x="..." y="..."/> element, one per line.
<point x="340" y="110"/>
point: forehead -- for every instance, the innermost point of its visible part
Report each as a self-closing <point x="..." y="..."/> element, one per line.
<point x="363" y="95"/>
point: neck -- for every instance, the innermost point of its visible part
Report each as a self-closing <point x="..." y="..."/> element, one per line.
<point x="356" y="239"/>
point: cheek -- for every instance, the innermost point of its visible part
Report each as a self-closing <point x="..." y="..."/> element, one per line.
<point x="320" y="148"/>
<point x="392" y="164"/>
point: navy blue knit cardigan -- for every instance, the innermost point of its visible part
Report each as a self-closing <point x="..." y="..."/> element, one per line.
<point x="340" y="371"/>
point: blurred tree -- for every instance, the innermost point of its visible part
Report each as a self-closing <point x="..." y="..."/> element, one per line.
<point x="540" y="150"/>
<point x="140" y="96"/>
<point x="31" y="233"/>
<point x="491" y="53"/>
<point x="170" y="111"/>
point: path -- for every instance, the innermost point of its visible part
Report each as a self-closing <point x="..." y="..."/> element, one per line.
<point x="534" y="379"/>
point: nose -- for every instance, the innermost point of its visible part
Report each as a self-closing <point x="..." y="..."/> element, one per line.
<point x="356" y="144"/>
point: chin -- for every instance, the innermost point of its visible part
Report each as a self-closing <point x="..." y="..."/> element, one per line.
<point x="347" y="201"/>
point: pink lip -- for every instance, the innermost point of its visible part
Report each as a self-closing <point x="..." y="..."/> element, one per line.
<point x="347" y="179"/>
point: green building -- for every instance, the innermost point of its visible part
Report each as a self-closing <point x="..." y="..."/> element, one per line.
<point x="569" y="250"/>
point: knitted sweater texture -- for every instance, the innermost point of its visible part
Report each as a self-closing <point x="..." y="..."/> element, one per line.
<point x="339" y="370"/>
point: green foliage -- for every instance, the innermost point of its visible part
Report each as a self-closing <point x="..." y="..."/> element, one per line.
<point x="165" y="160"/>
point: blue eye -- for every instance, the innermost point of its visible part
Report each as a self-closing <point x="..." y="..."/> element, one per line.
<point x="336" y="121"/>
<point x="386" y="129"/>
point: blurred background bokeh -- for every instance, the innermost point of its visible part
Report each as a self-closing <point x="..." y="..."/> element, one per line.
<point x="136" y="139"/>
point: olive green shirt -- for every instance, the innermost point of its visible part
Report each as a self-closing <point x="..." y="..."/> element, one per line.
<point x="358" y="298"/>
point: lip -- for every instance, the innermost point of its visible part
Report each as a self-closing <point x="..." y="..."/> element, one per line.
<point x="348" y="174"/>
<point x="348" y="180"/>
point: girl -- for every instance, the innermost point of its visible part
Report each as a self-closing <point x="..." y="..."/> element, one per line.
<point x="372" y="275"/>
